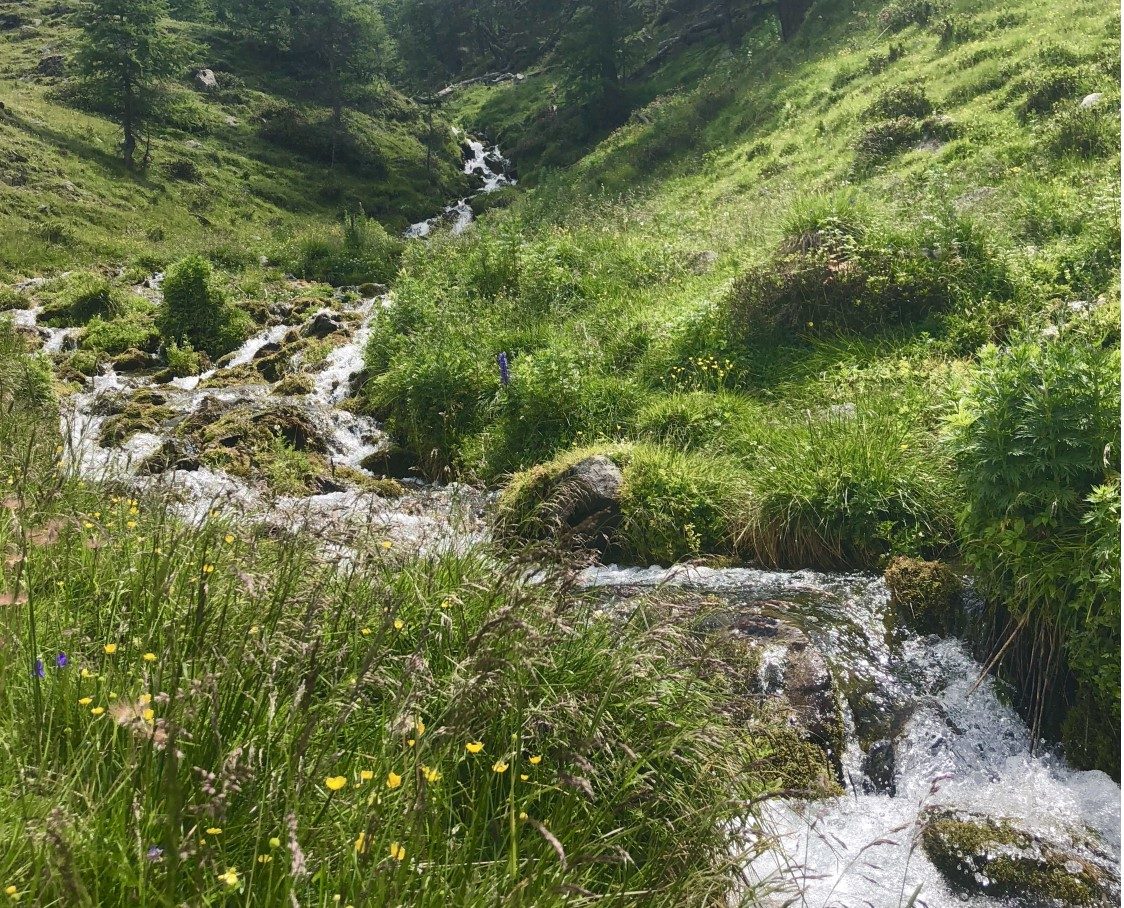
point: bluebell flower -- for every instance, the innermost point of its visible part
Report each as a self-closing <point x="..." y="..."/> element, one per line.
<point x="61" y="660"/>
<point x="39" y="670"/>
<point x="505" y="374"/>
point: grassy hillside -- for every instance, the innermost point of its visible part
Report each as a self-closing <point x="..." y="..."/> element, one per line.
<point x="232" y="173"/>
<point x="768" y="296"/>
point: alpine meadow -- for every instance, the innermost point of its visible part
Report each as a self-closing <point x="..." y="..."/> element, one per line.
<point x="541" y="453"/>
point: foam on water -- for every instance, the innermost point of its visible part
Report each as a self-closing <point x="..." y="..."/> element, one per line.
<point x="960" y="745"/>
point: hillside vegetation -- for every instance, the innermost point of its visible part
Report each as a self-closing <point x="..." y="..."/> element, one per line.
<point x="830" y="284"/>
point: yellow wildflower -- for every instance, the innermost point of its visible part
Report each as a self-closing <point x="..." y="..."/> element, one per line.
<point x="361" y="842"/>
<point x="86" y="673"/>
<point x="393" y="780"/>
<point x="149" y="657"/>
<point x="131" y="524"/>
<point x="366" y="632"/>
<point x="522" y="814"/>
<point x="431" y="775"/>
<point x="214" y="830"/>
<point x="523" y="777"/>
<point x="366" y="775"/>
<point x="148" y="715"/>
<point x="85" y="701"/>
<point x="410" y="742"/>
<point x="230" y="877"/>
<point x="335" y="783"/>
<point x="275" y="842"/>
<point x="499" y="766"/>
<point x="535" y="760"/>
<point x="208" y="569"/>
<point x="419" y="726"/>
<point x="474" y="747"/>
<point x="228" y="539"/>
<point x="386" y="543"/>
<point x="397" y="851"/>
<point x="264" y="858"/>
<point x="110" y="648"/>
<point x="145" y="699"/>
<point x="399" y="624"/>
<point x="97" y="710"/>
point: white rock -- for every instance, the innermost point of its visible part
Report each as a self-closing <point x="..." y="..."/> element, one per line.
<point x="1091" y="100"/>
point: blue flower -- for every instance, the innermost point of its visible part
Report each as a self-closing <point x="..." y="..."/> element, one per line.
<point x="39" y="670"/>
<point x="505" y="374"/>
<point x="155" y="853"/>
<point x="61" y="660"/>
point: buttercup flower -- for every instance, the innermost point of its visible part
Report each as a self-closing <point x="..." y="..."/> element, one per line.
<point x="335" y="783"/>
<point x="97" y="710"/>
<point x="110" y="648"/>
<point x="397" y="851"/>
<point x="230" y="877"/>
<point x="366" y="775"/>
<point x="474" y="747"/>
<point x="499" y="766"/>
<point x="393" y="780"/>
<point x="419" y="726"/>
<point x="361" y="842"/>
<point x="148" y="715"/>
<point x="535" y="760"/>
<point x="149" y="657"/>
<point x="228" y="539"/>
<point x="431" y="775"/>
<point x="214" y="830"/>
<point x="399" y="624"/>
<point x="264" y="858"/>
<point x="85" y="701"/>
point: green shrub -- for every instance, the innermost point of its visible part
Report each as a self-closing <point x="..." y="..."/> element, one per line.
<point x="1083" y="133"/>
<point x="182" y="359"/>
<point x="1036" y="446"/>
<point x="196" y="310"/>
<point x="900" y="101"/>
<point x="358" y="252"/>
<point x="846" y="487"/>
<point x="132" y="326"/>
<point x="1040" y="89"/>
<point x="885" y="139"/>
<point x="903" y="13"/>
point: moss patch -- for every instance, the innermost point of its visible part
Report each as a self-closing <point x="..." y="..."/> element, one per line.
<point x="925" y="593"/>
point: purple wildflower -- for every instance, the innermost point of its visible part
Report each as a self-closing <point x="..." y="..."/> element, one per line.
<point x="155" y="853"/>
<point x="61" y="660"/>
<point x="39" y="670"/>
<point x="505" y="374"/>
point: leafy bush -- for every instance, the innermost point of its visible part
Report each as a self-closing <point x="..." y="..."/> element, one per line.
<point x="900" y="101"/>
<point x="1036" y="445"/>
<point x="360" y="251"/>
<point x="196" y="310"/>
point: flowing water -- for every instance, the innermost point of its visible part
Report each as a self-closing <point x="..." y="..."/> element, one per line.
<point x="954" y="746"/>
<point x="487" y="165"/>
<point x="954" y="743"/>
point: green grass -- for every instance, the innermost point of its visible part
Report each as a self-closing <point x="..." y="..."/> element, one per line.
<point x="238" y="719"/>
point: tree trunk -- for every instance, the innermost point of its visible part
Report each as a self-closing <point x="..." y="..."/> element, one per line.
<point x="792" y="14"/>
<point x="128" y="124"/>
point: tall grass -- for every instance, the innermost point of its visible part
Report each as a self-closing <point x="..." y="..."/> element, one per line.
<point x="206" y="715"/>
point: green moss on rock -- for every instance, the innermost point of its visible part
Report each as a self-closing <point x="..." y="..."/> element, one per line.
<point x="980" y="854"/>
<point x="925" y="593"/>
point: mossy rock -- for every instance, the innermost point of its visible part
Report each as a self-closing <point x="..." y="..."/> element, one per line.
<point x="926" y="594"/>
<point x="137" y="416"/>
<point x="295" y="384"/>
<point x="979" y="854"/>
<point x="233" y="378"/>
<point x="1090" y="738"/>
<point x="393" y="461"/>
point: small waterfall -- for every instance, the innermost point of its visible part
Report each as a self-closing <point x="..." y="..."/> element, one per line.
<point x="488" y="164"/>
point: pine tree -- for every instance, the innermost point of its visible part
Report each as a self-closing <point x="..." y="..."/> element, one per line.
<point x="123" y="56"/>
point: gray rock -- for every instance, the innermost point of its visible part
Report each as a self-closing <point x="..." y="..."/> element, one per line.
<point x="999" y="857"/>
<point x="51" y="65"/>
<point x="322" y="325"/>
<point x="1091" y="100"/>
<point x="587" y="502"/>
<point x="879" y="768"/>
<point x="205" y="80"/>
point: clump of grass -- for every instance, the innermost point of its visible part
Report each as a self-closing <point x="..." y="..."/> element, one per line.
<point x="231" y="716"/>
<point x="696" y="421"/>
<point x="901" y="14"/>
<point x="1083" y="133"/>
<point x="132" y="325"/>
<point x="900" y="101"/>
<point x="846" y="486"/>
<point x="359" y="251"/>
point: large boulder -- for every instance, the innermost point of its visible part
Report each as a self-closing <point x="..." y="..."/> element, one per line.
<point x="205" y="80"/>
<point x="998" y="857"/>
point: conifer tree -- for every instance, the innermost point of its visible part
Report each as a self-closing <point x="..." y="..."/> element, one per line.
<point x="123" y="56"/>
